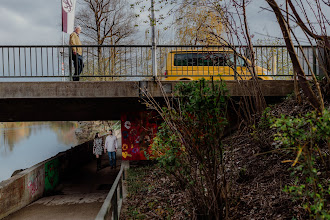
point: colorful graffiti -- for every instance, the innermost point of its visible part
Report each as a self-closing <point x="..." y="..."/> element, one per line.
<point x="35" y="184"/>
<point x="51" y="175"/>
<point x="138" y="130"/>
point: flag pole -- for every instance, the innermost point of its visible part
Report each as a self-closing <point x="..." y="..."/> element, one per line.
<point x="62" y="51"/>
<point x="153" y="24"/>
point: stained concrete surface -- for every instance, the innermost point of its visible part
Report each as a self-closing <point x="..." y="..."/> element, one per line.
<point x="92" y="101"/>
<point x="79" y="196"/>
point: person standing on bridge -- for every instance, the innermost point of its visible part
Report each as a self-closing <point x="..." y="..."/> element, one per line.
<point x="76" y="53"/>
<point x="97" y="150"/>
<point x="111" y="145"/>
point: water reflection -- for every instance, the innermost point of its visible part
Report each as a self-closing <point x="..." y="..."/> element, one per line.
<point x="23" y="144"/>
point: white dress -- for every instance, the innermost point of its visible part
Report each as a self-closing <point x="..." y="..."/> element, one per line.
<point x="98" y="146"/>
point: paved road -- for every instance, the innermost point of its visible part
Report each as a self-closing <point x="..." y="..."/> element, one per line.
<point x="80" y="195"/>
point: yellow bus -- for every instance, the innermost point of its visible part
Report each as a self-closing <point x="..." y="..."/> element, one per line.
<point x="218" y="63"/>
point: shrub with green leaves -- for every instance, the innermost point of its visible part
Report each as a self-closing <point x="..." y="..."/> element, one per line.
<point x="308" y="138"/>
<point x="189" y="144"/>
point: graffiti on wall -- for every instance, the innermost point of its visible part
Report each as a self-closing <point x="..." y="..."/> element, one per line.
<point x="51" y="174"/>
<point x="138" y="130"/>
<point x="35" y="182"/>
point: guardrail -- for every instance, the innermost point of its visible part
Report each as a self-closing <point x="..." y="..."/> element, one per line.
<point x="134" y="62"/>
<point x="113" y="202"/>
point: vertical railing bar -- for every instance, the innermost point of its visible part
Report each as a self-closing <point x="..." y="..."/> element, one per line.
<point x="147" y="60"/>
<point x="25" y="61"/>
<point x="93" y="61"/>
<point x="42" y="65"/>
<point x="14" y="61"/>
<point x="187" y="61"/>
<point x="131" y="64"/>
<point x="208" y="63"/>
<point x="272" y="63"/>
<point x="302" y="58"/>
<point x="62" y="61"/>
<point x="262" y="70"/>
<point x="125" y="61"/>
<point x="192" y="61"/>
<point x="47" y="66"/>
<point x="87" y="60"/>
<point x="58" y="60"/>
<point x="282" y="61"/>
<point x="308" y="61"/>
<point x="160" y="62"/>
<point x="172" y="60"/>
<point x="36" y="61"/>
<point x="136" y="60"/>
<point x="314" y="62"/>
<point x="267" y="59"/>
<point x="113" y="61"/>
<point x="276" y="61"/>
<point x="53" y="61"/>
<point x="262" y="58"/>
<point x="125" y="57"/>
<point x="298" y="55"/>
<point x="110" y="61"/>
<point x="31" y="61"/>
<point x="287" y="61"/>
<point x="3" y="62"/>
<point x="181" y="62"/>
<point x="8" y="63"/>
<point x="19" y="60"/>
<point x="47" y="51"/>
<point x="142" y="69"/>
<point x="203" y="61"/>
<point x="119" y="65"/>
<point x="103" y="60"/>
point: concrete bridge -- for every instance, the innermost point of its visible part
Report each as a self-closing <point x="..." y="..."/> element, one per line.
<point x="70" y="101"/>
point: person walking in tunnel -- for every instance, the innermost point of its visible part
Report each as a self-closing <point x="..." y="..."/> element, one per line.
<point x="111" y="145"/>
<point x="76" y="53"/>
<point x="97" y="150"/>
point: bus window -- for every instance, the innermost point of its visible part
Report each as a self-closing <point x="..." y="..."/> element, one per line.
<point x="203" y="59"/>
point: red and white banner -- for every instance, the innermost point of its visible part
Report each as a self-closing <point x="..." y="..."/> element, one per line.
<point x="68" y="11"/>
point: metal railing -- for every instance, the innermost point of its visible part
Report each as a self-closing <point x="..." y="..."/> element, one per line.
<point x="134" y="62"/>
<point x="112" y="204"/>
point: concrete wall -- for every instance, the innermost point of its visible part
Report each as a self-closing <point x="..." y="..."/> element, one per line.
<point x="41" y="179"/>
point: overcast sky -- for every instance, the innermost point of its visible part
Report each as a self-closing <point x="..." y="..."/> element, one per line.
<point x="39" y="22"/>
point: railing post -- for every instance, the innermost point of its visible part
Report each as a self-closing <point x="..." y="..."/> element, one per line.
<point x="121" y="188"/>
<point x="274" y="65"/>
<point x="115" y="204"/>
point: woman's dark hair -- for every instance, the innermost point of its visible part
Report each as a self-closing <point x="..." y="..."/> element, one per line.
<point x="97" y="135"/>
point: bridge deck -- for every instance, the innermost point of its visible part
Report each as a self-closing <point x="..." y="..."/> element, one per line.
<point x="122" y="89"/>
<point x="76" y="101"/>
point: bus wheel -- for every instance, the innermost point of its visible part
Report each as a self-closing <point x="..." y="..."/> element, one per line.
<point x="184" y="79"/>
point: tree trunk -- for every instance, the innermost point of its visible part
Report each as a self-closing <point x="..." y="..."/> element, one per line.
<point x="303" y="83"/>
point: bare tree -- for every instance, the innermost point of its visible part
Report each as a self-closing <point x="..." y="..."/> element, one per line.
<point x="106" y="22"/>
